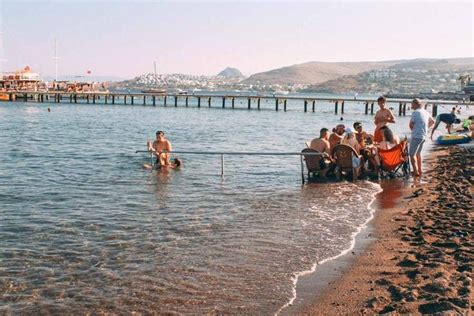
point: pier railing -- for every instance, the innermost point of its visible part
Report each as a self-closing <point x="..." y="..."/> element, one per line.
<point x="236" y="153"/>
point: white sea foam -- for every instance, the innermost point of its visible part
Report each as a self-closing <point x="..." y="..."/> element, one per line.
<point x="313" y="268"/>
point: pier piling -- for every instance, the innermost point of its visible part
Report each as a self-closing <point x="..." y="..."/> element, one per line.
<point x="186" y="101"/>
<point x="435" y="110"/>
<point x="132" y="99"/>
<point x="199" y="102"/>
<point x="342" y="107"/>
<point x="400" y="105"/>
<point x="223" y="102"/>
<point x="125" y="99"/>
<point x="258" y="104"/>
<point x="144" y="99"/>
<point x="209" y="102"/>
<point x="305" y="106"/>
<point x="314" y="106"/>
<point x="113" y="99"/>
<point x="276" y="104"/>
<point x="404" y="109"/>
<point x="336" y="105"/>
<point x="154" y="100"/>
<point x="233" y="102"/>
<point x="93" y="99"/>
<point x="175" y="101"/>
<point x="249" y="103"/>
<point x="372" y="108"/>
<point x="164" y="100"/>
<point x="284" y="106"/>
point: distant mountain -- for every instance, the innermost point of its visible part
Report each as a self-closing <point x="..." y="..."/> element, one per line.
<point x="231" y="73"/>
<point x="314" y="72"/>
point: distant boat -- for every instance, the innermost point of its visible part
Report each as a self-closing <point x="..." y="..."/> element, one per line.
<point x="156" y="91"/>
<point x="181" y="92"/>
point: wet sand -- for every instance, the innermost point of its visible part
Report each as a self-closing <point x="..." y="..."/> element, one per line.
<point x="416" y="255"/>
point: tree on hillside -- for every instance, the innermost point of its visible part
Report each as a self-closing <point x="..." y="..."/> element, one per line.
<point x="464" y="79"/>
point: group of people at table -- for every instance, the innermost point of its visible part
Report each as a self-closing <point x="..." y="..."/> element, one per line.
<point x="367" y="145"/>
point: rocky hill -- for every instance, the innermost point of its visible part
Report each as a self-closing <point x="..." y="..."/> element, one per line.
<point x="409" y="76"/>
<point x="230" y="72"/>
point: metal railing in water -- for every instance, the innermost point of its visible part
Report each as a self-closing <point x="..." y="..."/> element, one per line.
<point x="237" y="153"/>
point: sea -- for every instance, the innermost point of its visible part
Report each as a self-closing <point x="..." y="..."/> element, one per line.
<point x="85" y="229"/>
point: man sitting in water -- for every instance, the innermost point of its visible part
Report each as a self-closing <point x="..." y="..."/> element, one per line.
<point x="448" y="118"/>
<point x="161" y="147"/>
<point x="336" y="136"/>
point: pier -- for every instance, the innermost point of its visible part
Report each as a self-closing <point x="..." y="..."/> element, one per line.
<point x="250" y="102"/>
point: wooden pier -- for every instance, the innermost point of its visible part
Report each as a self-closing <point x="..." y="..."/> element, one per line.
<point x="251" y="101"/>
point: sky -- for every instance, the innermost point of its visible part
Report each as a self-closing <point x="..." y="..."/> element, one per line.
<point x="124" y="38"/>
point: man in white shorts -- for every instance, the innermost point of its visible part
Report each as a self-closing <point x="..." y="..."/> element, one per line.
<point x="420" y="122"/>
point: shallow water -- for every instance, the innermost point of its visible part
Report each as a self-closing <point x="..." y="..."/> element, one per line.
<point x="83" y="227"/>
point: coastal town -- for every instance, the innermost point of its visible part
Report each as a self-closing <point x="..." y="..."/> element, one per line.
<point x="429" y="79"/>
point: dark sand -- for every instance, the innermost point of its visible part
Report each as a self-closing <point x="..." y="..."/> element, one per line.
<point x="417" y="255"/>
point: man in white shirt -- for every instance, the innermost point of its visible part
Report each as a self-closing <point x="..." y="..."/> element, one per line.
<point x="420" y="122"/>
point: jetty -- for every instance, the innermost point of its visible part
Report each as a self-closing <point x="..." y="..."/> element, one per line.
<point x="251" y="101"/>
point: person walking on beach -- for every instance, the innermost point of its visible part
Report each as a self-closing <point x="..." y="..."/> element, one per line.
<point x="382" y="118"/>
<point x="420" y="122"/>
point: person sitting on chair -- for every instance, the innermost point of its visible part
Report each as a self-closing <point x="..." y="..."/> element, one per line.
<point x="336" y="136"/>
<point x="389" y="139"/>
<point x="322" y="144"/>
<point x="350" y="140"/>
<point x="362" y="136"/>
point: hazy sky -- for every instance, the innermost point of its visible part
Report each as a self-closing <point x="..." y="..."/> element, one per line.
<point x="123" y="38"/>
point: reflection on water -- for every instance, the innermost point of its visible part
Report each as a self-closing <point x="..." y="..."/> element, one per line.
<point x="84" y="228"/>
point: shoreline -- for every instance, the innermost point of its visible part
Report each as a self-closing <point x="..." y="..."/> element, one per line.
<point x="382" y="272"/>
<point x="307" y="284"/>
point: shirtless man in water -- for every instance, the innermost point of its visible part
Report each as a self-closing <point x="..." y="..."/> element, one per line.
<point x="161" y="147"/>
<point x="382" y="118"/>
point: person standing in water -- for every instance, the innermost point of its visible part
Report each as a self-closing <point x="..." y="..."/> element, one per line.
<point x="382" y="118"/>
<point x="161" y="147"/>
<point x="420" y="122"/>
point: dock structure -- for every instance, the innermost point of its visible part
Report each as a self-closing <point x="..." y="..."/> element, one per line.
<point x="252" y="101"/>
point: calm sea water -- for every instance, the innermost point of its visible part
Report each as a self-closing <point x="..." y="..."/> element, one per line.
<point x="84" y="228"/>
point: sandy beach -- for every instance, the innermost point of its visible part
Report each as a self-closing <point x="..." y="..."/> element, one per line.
<point x="416" y="256"/>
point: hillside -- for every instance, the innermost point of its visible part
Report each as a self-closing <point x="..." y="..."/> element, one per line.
<point x="409" y="76"/>
<point x="314" y="72"/>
